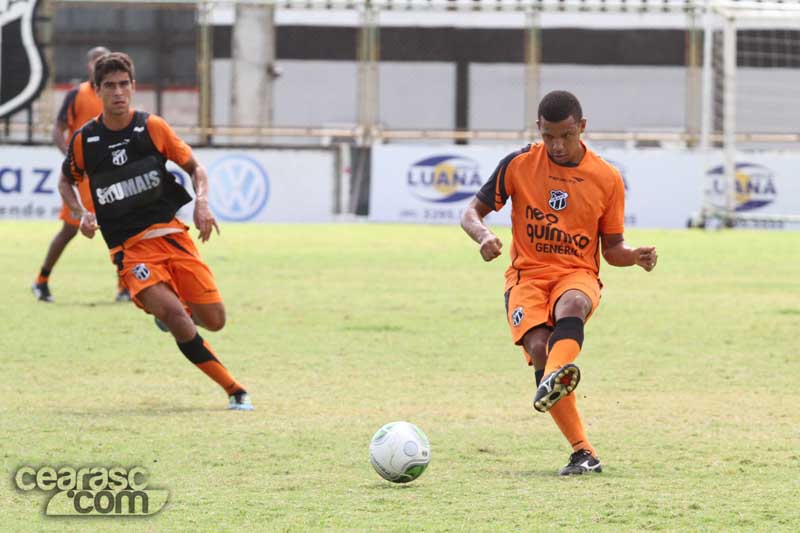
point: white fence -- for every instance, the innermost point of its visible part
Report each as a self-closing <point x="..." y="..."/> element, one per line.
<point x="245" y="185"/>
<point x="664" y="188"/>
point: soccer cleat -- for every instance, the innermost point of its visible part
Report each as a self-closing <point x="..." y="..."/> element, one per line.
<point x="42" y="292"/>
<point x="555" y="386"/>
<point x="581" y="462"/>
<point x="240" y="402"/>
<point x="123" y="296"/>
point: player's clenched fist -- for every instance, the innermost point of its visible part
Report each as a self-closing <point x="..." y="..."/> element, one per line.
<point x="646" y="257"/>
<point x="491" y="247"/>
<point x="88" y="224"/>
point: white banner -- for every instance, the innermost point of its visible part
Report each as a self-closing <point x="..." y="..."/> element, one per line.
<point x="29" y="182"/>
<point x="245" y="185"/>
<point x="430" y="184"/>
<point x="664" y="188"/>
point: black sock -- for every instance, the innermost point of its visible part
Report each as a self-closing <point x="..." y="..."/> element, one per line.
<point x="195" y="351"/>
<point x="539" y="375"/>
<point x="567" y="328"/>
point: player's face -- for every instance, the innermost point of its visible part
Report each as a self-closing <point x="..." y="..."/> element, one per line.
<point x="116" y="92"/>
<point x="563" y="139"/>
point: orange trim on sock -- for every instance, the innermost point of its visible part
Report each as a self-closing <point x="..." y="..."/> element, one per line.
<point x="41" y="279"/>
<point x="220" y="374"/>
<point x="216" y="371"/>
<point x="566" y="416"/>
<point x="562" y="353"/>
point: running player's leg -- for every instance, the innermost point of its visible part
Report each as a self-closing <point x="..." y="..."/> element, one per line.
<point x="161" y="302"/>
<point x="570" y="313"/>
<point x="196" y="286"/>
<point x="164" y="304"/>
<point x="153" y="263"/>
<point x="561" y="376"/>
<point x="67" y="232"/>
<point x="209" y="316"/>
<point x="575" y="300"/>
<point x="565" y="412"/>
<point x="535" y="345"/>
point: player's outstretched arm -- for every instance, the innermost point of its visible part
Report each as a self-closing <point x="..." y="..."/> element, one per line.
<point x="473" y="225"/>
<point x="617" y="253"/>
<point x="203" y="217"/>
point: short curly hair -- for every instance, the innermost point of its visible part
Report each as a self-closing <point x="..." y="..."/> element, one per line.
<point x="558" y="105"/>
<point x="112" y="62"/>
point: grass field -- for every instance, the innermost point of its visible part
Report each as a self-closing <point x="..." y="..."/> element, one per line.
<point x="689" y="387"/>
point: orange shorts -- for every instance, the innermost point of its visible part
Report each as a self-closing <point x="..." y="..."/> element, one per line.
<point x="85" y="195"/>
<point x="171" y="259"/>
<point x="531" y="302"/>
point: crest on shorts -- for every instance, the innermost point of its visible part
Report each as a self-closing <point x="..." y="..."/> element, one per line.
<point x="22" y="70"/>
<point x="558" y="200"/>
<point x="517" y="316"/>
<point x="119" y="157"/>
<point x="141" y="272"/>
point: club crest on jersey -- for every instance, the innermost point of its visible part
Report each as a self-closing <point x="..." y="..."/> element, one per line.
<point x="141" y="272"/>
<point x="558" y="200"/>
<point x="119" y="157"/>
<point x="23" y="72"/>
<point x="517" y="316"/>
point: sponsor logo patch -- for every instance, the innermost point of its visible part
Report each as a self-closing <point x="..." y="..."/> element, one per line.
<point x="558" y="200"/>
<point x="517" y="316"/>
<point x="141" y="272"/>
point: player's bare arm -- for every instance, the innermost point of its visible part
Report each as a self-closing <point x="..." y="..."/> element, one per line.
<point x="59" y="139"/>
<point x="472" y="222"/>
<point x="617" y="253"/>
<point x="203" y="217"/>
<point x="88" y="220"/>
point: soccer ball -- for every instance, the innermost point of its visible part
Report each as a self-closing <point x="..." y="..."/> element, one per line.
<point x="399" y="452"/>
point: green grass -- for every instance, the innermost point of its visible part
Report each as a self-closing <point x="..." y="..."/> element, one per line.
<point x="689" y="387"/>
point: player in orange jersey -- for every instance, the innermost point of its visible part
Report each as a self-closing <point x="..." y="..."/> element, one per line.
<point x="80" y="105"/>
<point x="122" y="153"/>
<point x="568" y="205"/>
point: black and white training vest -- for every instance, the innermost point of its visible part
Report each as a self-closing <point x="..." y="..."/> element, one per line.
<point x="130" y="184"/>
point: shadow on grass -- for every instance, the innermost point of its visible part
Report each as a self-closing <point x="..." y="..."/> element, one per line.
<point x="528" y="474"/>
<point x="103" y="303"/>
<point x="142" y="411"/>
<point x="388" y="485"/>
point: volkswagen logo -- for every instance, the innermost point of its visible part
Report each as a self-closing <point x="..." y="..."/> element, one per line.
<point x="239" y="188"/>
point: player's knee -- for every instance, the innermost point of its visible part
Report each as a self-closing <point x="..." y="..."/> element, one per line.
<point x="214" y="321"/>
<point x="175" y="318"/>
<point x="535" y="343"/>
<point x="536" y="347"/>
<point x="576" y="305"/>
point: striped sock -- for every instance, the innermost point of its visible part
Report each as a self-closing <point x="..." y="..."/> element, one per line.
<point x="566" y="416"/>
<point x="199" y="352"/>
<point x="44" y="275"/>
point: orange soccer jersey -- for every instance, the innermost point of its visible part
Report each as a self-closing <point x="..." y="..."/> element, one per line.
<point x="80" y="106"/>
<point x="558" y="211"/>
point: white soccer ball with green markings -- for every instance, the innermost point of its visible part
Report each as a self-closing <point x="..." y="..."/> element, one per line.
<point x="400" y="452"/>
